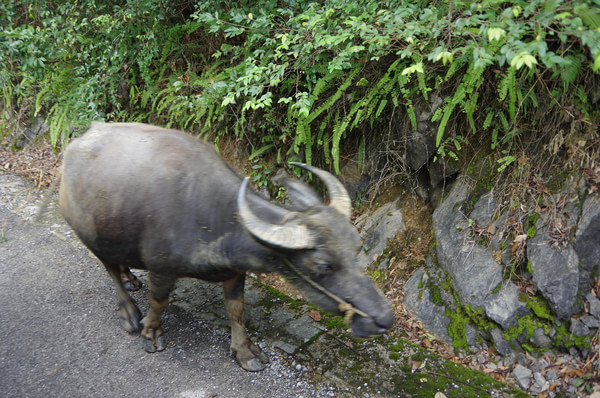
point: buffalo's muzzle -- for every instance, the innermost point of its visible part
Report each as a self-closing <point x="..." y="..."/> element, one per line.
<point x="369" y="326"/>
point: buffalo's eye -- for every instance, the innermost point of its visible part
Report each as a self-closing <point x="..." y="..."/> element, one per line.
<point x="323" y="267"/>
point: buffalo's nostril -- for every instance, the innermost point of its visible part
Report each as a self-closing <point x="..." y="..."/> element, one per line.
<point x="385" y="321"/>
<point x="372" y="325"/>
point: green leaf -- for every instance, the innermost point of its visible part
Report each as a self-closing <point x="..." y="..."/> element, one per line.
<point x="495" y="34"/>
<point x="361" y="152"/>
<point x="229" y="99"/>
<point x="412" y="116"/>
<point x="445" y="56"/>
<point x="259" y="151"/>
<point x="523" y="58"/>
<point x="488" y="119"/>
<point x="569" y="71"/>
<point x="505" y="162"/>
<point x="596" y="65"/>
<point x="564" y="15"/>
<point x="362" y="82"/>
<point x="382" y="105"/>
<point x="494" y="139"/>
<point x="418" y="67"/>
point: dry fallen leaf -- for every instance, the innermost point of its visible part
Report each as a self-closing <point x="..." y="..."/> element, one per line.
<point x="416" y="365"/>
<point x="520" y="238"/>
<point x="574" y="372"/>
<point x="315" y="315"/>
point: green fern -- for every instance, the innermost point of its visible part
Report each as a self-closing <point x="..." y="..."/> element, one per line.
<point x="361" y="152"/>
<point x="411" y="116"/>
<point x="338" y="130"/>
<point x="303" y="129"/>
<point x="512" y="95"/>
<point x="470" y="107"/>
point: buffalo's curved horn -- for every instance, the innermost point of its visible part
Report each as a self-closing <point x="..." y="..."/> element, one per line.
<point x="340" y="200"/>
<point x="290" y="235"/>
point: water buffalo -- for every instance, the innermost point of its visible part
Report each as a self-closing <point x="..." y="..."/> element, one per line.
<point x="140" y="196"/>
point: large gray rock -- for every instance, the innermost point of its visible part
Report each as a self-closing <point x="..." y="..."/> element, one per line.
<point x="484" y="209"/>
<point x="356" y="181"/>
<point x="440" y="169"/>
<point x="594" y="305"/>
<point x="473" y="271"/>
<point x="523" y="376"/>
<point x="385" y="223"/>
<point x="541" y="338"/>
<point x="472" y="267"/>
<point x="555" y="272"/>
<point x="504" y="307"/>
<point x="417" y="300"/>
<point x="502" y="346"/>
<point x="562" y="268"/>
<point x="30" y="133"/>
<point x="578" y="328"/>
<point x="587" y="242"/>
<point x="420" y="143"/>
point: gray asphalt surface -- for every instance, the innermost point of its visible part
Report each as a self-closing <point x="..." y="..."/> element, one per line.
<point x="60" y="335"/>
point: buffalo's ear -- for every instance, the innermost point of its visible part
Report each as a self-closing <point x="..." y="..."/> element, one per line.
<point x="290" y="234"/>
<point x="303" y="196"/>
<point x="338" y="196"/>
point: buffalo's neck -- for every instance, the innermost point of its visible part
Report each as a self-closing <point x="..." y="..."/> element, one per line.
<point x="233" y="251"/>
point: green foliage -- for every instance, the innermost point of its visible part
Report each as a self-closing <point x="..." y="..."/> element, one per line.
<point x="260" y="175"/>
<point x="298" y="57"/>
<point x="299" y="79"/>
<point x="79" y="60"/>
<point x="540" y="308"/>
<point x="457" y="329"/>
<point x="435" y="295"/>
<point x="531" y="225"/>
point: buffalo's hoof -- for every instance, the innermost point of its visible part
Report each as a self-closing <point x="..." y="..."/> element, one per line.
<point x="154" y="345"/>
<point x="129" y="326"/>
<point x="252" y="358"/>
<point x="130" y="318"/>
<point x="153" y="340"/>
<point x="132" y="286"/>
<point x="130" y="282"/>
<point x="253" y="365"/>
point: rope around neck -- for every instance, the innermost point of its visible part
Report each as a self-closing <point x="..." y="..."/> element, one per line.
<point x="348" y="309"/>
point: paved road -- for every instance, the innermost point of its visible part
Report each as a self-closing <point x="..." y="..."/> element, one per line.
<point x="59" y="333"/>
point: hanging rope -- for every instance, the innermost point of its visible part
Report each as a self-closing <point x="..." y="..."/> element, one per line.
<point x="348" y="309"/>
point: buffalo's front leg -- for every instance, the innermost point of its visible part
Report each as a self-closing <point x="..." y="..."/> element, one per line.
<point x="248" y="355"/>
<point x="152" y="333"/>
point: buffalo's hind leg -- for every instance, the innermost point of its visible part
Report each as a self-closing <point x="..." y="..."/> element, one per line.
<point x="152" y="333"/>
<point x="248" y="355"/>
<point x="129" y="281"/>
<point x="128" y="311"/>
